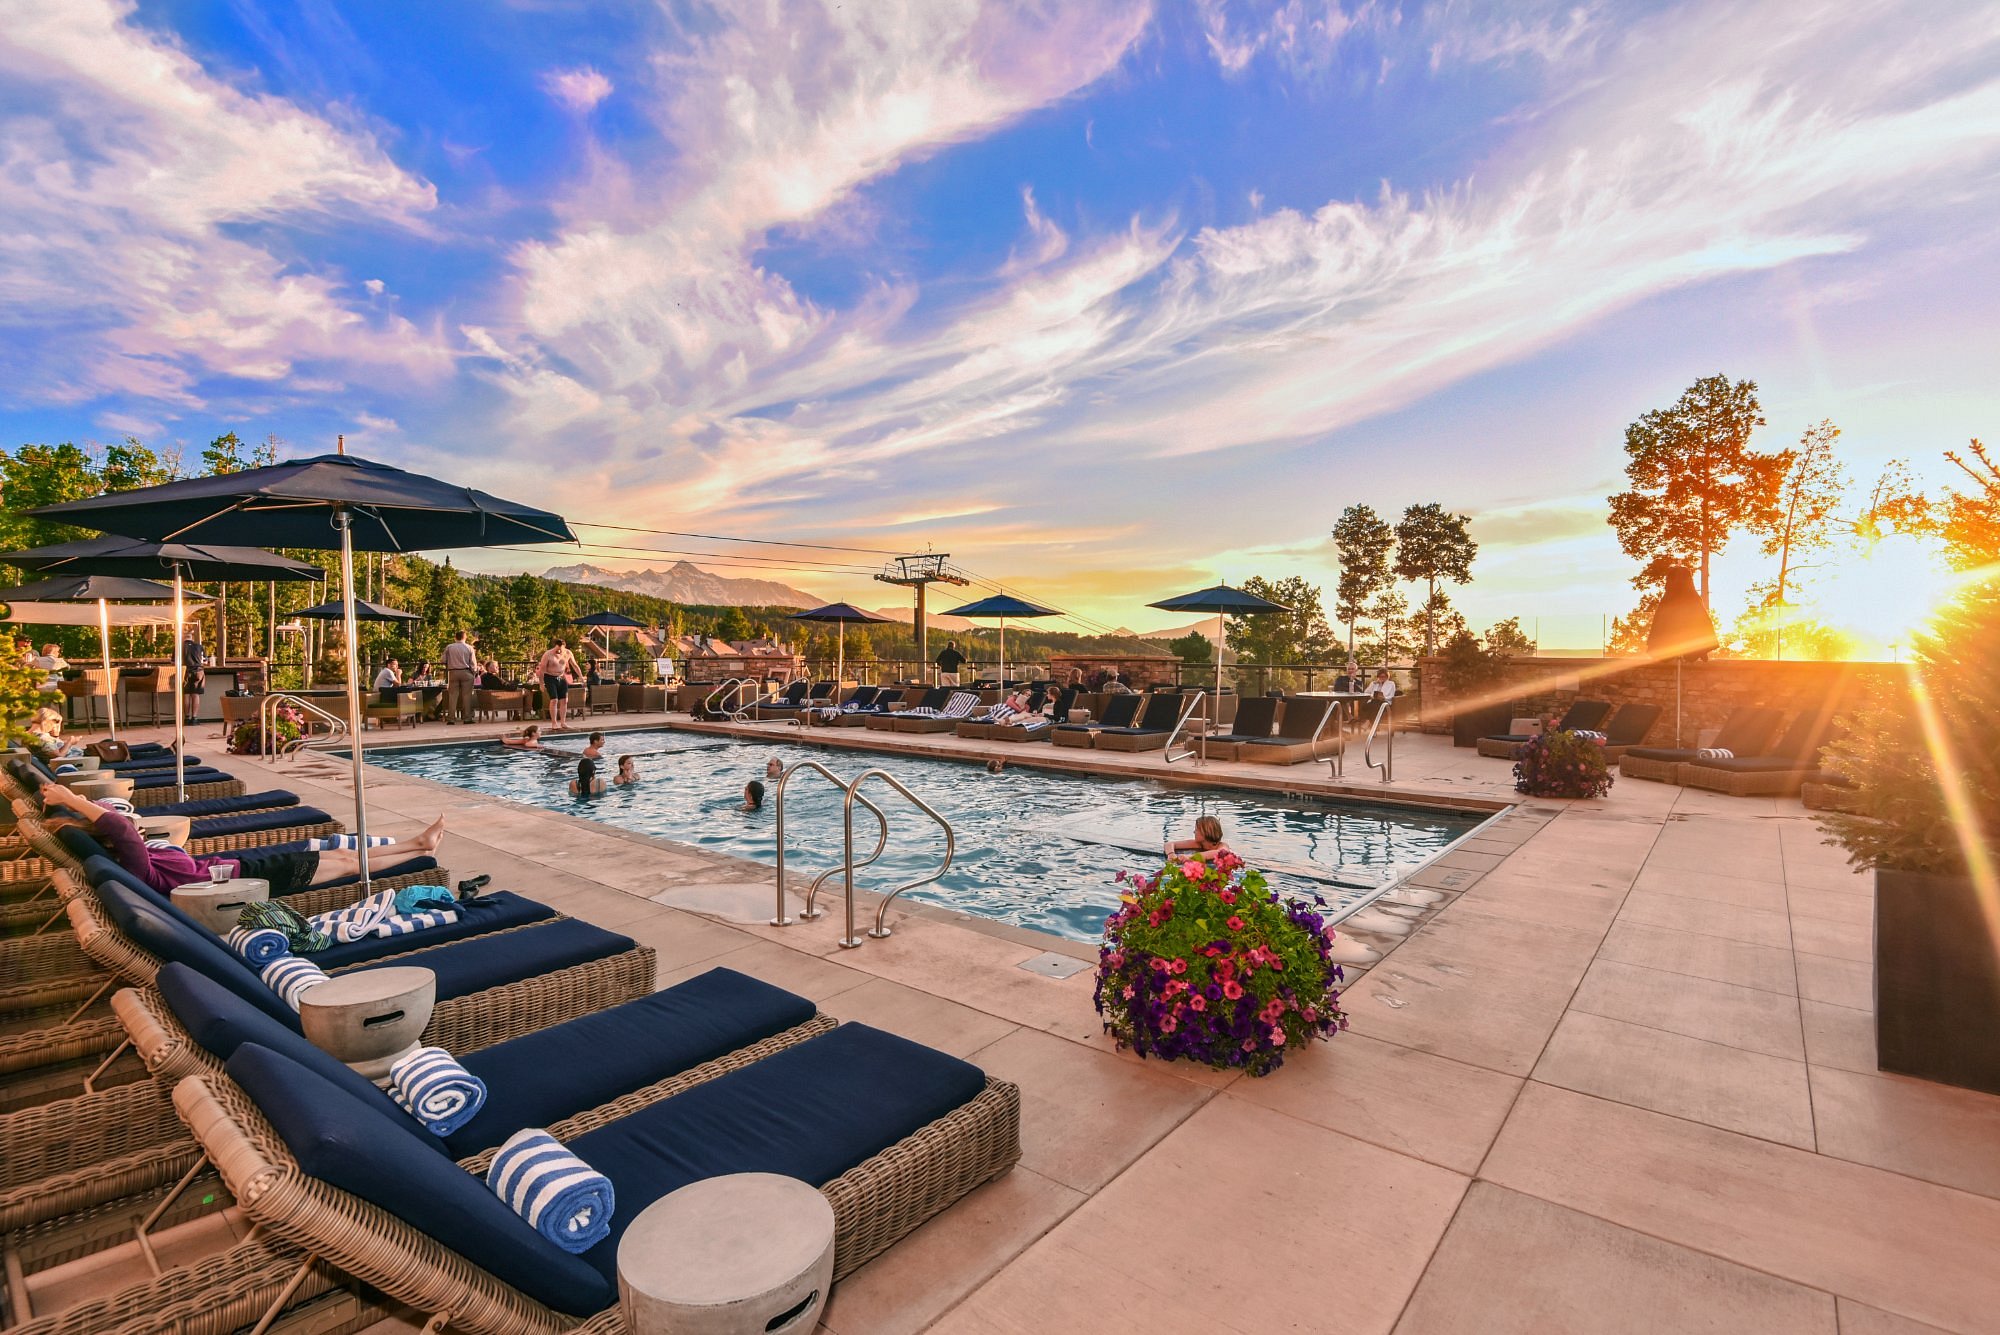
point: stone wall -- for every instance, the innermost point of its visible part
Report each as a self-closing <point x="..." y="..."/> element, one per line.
<point x="1541" y="687"/>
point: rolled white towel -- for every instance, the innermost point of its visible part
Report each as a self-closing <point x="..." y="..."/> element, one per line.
<point x="430" y="1085"/>
<point x="1589" y="735"/>
<point x="1715" y="753"/>
<point x="561" y="1197"/>
<point x="291" y="978"/>
<point x="259" y="945"/>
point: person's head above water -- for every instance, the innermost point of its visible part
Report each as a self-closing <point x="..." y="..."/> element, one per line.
<point x="1208" y="831"/>
<point x="753" y="794"/>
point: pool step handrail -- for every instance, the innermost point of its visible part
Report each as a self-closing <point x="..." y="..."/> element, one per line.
<point x="881" y="928"/>
<point x="1383" y="713"/>
<point x="708" y="702"/>
<point x="1337" y="758"/>
<point x="267" y="717"/>
<point x="778" y="803"/>
<point x="1198" y="749"/>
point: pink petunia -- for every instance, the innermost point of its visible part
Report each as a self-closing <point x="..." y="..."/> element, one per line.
<point x="1178" y="966"/>
<point x="1230" y="988"/>
<point x="1198" y="1001"/>
<point x="1235" y="923"/>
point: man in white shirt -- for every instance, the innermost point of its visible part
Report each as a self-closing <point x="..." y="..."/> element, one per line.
<point x="387" y="680"/>
<point x="461" y="675"/>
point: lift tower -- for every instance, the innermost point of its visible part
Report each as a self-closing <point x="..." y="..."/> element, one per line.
<point x="919" y="572"/>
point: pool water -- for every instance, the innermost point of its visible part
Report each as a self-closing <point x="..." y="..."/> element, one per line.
<point x="1034" y="848"/>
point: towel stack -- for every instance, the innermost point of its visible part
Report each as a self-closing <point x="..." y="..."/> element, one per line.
<point x="291" y="978"/>
<point x="561" y="1197"/>
<point x="1715" y="753"/>
<point x="378" y="916"/>
<point x="430" y="1085"/>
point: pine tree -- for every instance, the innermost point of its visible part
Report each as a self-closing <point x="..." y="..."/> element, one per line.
<point x="1432" y="545"/>
<point x="1362" y="541"/>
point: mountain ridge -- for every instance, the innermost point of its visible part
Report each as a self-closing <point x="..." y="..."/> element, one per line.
<point x="686" y="583"/>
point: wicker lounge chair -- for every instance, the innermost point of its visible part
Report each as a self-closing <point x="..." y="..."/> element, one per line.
<point x="1256" y="717"/>
<point x="1792" y="762"/>
<point x="1156" y="723"/>
<point x="73" y="1161"/>
<point x="858" y="702"/>
<point x="786" y="704"/>
<point x="917" y="697"/>
<point x="899" y="1132"/>
<point x="1581" y="716"/>
<point x="1299" y="727"/>
<point x="1746" y="732"/>
<point x="1827" y="791"/>
<point x="957" y="705"/>
<point x="1627" y="729"/>
<point x="1120" y="711"/>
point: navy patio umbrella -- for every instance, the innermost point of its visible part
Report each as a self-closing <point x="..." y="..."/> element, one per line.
<point x="607" y="621"/>
<point x="1224" y="602"/>
<point x="328" y="501"/>
<point x="102" y="590"/>
<point x="842" y="615"/>
<point x="1001" y="606"/>
<point x="137" y="558"/>
<point x="363" y="611"/>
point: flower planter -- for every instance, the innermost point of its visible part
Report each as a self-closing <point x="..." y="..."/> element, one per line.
<point x="1469" y="725"/>
<point x="1937" y="981"/>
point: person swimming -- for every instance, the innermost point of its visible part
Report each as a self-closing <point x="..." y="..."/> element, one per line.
<point x="753" y="795"/>
<point x="1207" y="839"/>
<point x="586" y="783"/>
<point x="628" y="772"/>
<point x="530" y="737"/>
<point x="774" y="769"/>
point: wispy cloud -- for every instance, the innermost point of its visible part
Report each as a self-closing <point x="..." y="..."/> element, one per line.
<point x="131" y="180"/>
<point x="578" y="89"/>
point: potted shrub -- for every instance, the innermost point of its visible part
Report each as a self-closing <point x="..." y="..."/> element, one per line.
<point x="1562" y="764"/>
<point x="1204" y="961"/>
<point x="1470" y="670"/>
<point x="1923" y="757"/>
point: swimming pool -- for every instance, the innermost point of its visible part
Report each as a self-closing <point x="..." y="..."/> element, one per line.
<point x="1035" y="848"/>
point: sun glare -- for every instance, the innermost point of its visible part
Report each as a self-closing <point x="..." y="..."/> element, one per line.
<point x="1881" y="595"/>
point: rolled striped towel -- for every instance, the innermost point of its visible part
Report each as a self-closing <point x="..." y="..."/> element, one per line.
<point x="346" y="841"/>
<point x="291" y="978"/>
<point x="430" y="1085"/>
<point x="1715" y="753"/>
<point x="563" y="1198"/>
<point x="1589" y="735"/>
<point x="259" y="945"/>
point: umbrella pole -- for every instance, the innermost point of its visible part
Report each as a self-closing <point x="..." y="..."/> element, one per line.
<point x="1003" y="653"/>
<point x="343" y="521"/>
<point x="180" y="692"/>
<point x="840" y="660"/>
<point x="1215" y="701"/>
<point x="110" y="682"/>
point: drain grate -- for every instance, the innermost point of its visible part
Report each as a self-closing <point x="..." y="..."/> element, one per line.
<point x="1051" y="965"/>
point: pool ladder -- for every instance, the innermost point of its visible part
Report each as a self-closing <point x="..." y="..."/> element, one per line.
<point x="848" y="865"/>
<point x="1384" y="713"/>
<point x="732" y="691"/>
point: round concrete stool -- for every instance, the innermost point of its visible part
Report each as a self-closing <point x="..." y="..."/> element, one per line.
<point x="96" y="789"/>
<point x="84" y="764"/>
<point x="215" y="904"/>
<point x="371" y="1018"/>
<point x="746" y="1254"/>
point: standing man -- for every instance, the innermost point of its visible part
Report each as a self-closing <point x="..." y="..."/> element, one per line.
<point x="949" y="660"/>
<point x="461" y="675"/>
<point x="194" y="676"/>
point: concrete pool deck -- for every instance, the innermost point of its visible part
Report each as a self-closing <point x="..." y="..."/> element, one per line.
<point x="1620" y="1079"/>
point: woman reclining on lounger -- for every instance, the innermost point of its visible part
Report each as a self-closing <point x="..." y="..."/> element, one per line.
<point x="288" y="867"/>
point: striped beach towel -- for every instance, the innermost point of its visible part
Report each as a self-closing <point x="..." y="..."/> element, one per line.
<point x="259" y="945"/>
<point x="291" y="978"/>
<point x="376" y="916"/>
<point x="346" y="841"/>
<point x="960" y="705"/>
<point x="561" y="1197"/>
<point x="1588" y="735"/>
<point x="1715" y="753"/>
<point x="430" y="1085"/>
<point x="299" y="933"/>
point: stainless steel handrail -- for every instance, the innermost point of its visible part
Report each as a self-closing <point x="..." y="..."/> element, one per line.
<point x="881" y="929"/>
<point x="778" y="799"/>
<point x="1200" y="753"/>
<point x="708" y="701"/>
<point x="1338" y="759"/>
<point x="732" y="690"/>
<point x="1388" y="763"/>
<point x="266" y="720"/>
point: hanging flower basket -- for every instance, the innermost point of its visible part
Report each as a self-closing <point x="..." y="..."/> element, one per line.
<point x="1204" y="961"/>
<point x="1562" y="764"/>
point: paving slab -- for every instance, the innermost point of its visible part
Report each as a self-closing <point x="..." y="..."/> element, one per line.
<point x="1514" y="1265"/>
<point x="1713" y="957"/>
<point x="1740" y="1017"/>
<point x="1932" y="1131"/>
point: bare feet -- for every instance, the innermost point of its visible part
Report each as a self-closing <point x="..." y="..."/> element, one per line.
<point x="432" y="836"/>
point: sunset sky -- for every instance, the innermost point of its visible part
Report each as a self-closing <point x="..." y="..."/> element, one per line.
<point x="1107" y="299"/>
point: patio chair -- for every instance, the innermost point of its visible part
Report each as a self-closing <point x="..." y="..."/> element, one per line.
<point x="1747" y="732"/>
<point x="1120" y="711"/>
<point x="898" y="1133"/>
<point x="404" y="709"/>
<point x="785" y="705"/>
<point x="1300" y="724"/>
<point x="150" y="685"/>
<point x="1156" y="723"/>
<point x="1790" y="764"/>
<point x="958" y="705"/>
<point x="932" y="698"/>
<point x="1628" y="728"/>
<point x="1581" y="716"/>
<point x="1256" y="718"/>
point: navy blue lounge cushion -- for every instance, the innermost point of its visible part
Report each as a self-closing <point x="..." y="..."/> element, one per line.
<point x="345" y="1142"/>
<point x="1758" y="765"/>
<point x="1661" y="752"/>
<point x="554" y="1073"/>
<point x="200" y="807"/>
<point x="165" y="778"/>
<point x="221" y="1022"/>
<point x="488" y="913"/>
<point x="409" y="868"/>
<point x="147" y="762"/>
<point x="159" y="928"/>
<point x="811" y="1112"/>
<point x="465" y="967"/>
<point x="81" y="843"/>
<point x="249" y="822"/>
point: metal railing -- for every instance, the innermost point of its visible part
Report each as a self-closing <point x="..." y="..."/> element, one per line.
<point x="1337" y="759"/>
<point x="731" y="691"/>
<point x="849" y="864"/>
<point x="1199" y="750"/>
<point x="336" y="726"/>
<point x="1383" y="712"/>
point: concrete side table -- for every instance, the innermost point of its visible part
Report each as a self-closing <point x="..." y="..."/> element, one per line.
<point x="745" y="1254"/>
<point x="370" y="1018"/>
<point x="215" y="904"/>
<point x="1525" y="727"/>
<point x="96" y="789"/>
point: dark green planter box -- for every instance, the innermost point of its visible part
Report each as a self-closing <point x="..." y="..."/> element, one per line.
<point x="1937" y="981"/>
